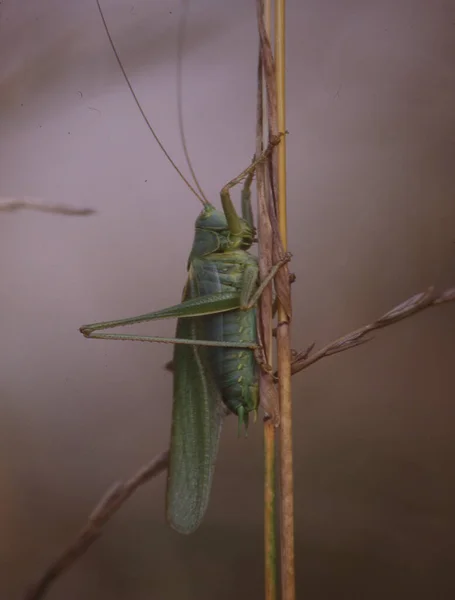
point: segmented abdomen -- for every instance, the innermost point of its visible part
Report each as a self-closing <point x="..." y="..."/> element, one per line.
<point x="234" y="369"/>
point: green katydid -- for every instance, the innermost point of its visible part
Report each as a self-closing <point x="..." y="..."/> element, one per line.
<point x="215" y="365"/>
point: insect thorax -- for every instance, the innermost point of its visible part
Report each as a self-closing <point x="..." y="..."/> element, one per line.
<point x="218" y="259"/>
<point x="212" y="234"/>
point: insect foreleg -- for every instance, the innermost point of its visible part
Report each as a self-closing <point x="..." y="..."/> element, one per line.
<point x="247" y="211"/>
<point x="252" y="167"/>
<point x="249" y="296"/>
<point x="228" y="207"/>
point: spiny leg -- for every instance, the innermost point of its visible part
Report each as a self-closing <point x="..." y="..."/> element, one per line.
<point x="193" y="307"/>
<point x="234" y="221"/>
<point x="249" y="297"/>
<point x="164" y="340"/>
<point x="259" y="356"/>
<point x="247" y="302"/>
<point x="252" y="167"/>
<point x="247" y="211"/>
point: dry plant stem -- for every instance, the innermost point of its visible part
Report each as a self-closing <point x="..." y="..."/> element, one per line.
<point x="267" y="388"/>
<point x="28" y="203"/>
<point x="264" y="225"/>
<point x="283" y="335"/>
<point x="104" y="510"/>
<point x="276" y="120"/>
<point x="270" y="544"/>
<point x="282" y="279"/>
<point x="409" y="307"/>
<point x="266" y="384"/>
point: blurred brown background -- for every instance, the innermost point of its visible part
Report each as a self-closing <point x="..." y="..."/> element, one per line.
<point x="371" y="96"/>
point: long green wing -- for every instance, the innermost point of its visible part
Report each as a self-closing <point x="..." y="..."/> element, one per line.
<point x="197" y="417"/>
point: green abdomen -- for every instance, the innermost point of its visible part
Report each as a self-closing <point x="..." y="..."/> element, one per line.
<point x="235" y="369"/>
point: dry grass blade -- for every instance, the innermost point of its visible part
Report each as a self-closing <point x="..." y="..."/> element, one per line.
<point x="282" y="286"/>
<point x="102" y="513"/>
<point x="267" y="391"/>
<point x="275" y="85"/>
<point x="29" y="203"/>
<point x="120" y="493"/>
<point x="409" y="307"/>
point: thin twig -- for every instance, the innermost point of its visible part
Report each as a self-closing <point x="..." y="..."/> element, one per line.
<point x="29" y="203"/>
<point x="283" y="334"/>
<point x="275" y="85"/>
<point x="104" y="510"/>
<point x="282" y="278"/>
<point x="360" y="336"/>
<point x="120" y="492"/>
<point x="267" y="390"/>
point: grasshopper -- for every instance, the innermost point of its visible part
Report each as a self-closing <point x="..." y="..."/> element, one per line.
<point x="215" y="361"/>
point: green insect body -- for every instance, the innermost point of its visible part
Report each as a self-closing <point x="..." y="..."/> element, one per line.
<point x="214" y="365"/>
<point x="205" y="377"/>
<point x="219" y="262"/>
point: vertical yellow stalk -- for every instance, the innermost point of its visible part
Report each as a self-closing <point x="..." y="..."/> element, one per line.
<point x="283" y="342"/>
<point x="270" y="558"/>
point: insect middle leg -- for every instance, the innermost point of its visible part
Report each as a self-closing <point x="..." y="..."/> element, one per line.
<point x="250" y="294"/>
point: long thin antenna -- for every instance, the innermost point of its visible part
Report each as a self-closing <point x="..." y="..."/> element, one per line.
<point x="202" y="198"/>
<point x="181" y="41"/>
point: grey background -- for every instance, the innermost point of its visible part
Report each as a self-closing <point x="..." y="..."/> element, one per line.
<point x="371" y="96"/>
